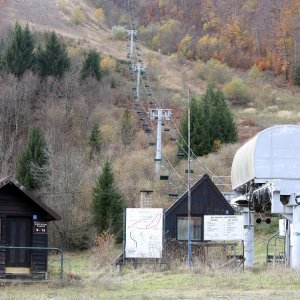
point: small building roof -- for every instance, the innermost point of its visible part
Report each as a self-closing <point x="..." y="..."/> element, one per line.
<point x="11" y="180"/>
<point x="201" y="181"/>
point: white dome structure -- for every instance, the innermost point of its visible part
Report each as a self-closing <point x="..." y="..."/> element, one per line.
<point x="269" y="163"/>
<point x="273" y="153"/>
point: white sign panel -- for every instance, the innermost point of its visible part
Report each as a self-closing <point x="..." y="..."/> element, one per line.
<point x="144" y="232"/>
<point x="282" y="227"/>
<point x="223" y="228"/>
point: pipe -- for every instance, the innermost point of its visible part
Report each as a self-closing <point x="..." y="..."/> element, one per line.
<point x="248" y="238"/>
<point x="295" y="239"/>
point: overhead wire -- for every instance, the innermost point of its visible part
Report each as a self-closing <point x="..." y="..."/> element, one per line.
<point x="152" y="126"/>
<point x="198" y="162"/>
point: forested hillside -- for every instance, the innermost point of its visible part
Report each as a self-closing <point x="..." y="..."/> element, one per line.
<point x="238" y="32"/>
<point x="65" y="86"/>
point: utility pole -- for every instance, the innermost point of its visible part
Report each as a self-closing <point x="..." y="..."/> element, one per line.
<point x="159" y="114"/>
<point x="189" y="186"/>
<point x="138" y="68"/>
<point x="131" y="33"/>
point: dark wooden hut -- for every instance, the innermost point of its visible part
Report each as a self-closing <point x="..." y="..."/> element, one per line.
<point x="206" y="199"/>
<point x="23" y="223"/>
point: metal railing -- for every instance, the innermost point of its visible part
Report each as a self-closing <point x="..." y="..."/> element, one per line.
<point x="42" y="248"/>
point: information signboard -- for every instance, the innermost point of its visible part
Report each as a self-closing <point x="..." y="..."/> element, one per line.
<point x="223" y="228"/>
<point x="40" y="227"/>
<point x="144" y="232"/>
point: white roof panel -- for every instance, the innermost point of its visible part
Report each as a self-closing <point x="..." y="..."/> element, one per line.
<point x="273" y="153"/>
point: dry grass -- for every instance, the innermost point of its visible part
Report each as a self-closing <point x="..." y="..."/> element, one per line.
<point x="148" y="283"/>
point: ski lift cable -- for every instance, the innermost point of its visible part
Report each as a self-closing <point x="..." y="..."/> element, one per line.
<point x="162" y="152"/>
<point x="148" y="89"/>
<point x="201" y="164"/>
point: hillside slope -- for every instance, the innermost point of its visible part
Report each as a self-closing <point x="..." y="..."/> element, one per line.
<point x="45" y="15"/>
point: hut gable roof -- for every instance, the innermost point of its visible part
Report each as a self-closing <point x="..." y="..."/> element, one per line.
<point x="204" y="180"/>
<point x="10" y="180"/>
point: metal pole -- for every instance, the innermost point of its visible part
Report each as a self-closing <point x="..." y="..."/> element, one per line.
<point x="295" y="239"/>
<point x="248" y="237"/>
<point x="158" y="142"/>
<point x="138" y="81"/>
<point x="131" y="43"/>
<point x="287" y="244"/>
<point x="189" y="185"/>
<point x="124" y="235"/>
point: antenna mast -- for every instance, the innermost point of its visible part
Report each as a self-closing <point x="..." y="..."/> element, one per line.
<point x="189" y="184"/>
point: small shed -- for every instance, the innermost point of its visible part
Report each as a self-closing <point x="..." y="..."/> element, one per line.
<point x="206" y="199"/>
<point x="23" y="223"/>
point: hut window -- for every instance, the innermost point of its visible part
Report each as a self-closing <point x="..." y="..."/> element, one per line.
<point x="196" y="228"/>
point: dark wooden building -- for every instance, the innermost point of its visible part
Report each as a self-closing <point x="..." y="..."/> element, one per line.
<point x="206" y="199"/>
<point x="23" y="223"/>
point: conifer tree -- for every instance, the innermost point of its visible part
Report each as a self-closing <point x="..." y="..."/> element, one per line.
<point x="91" y="66"/>
<point x="54" y="59"/>
<point x="211" y="123"/>
<point x="107" y="202"/>
<point x="95" y="139"/>
<point x="18" y="56"/>
<point x="31" y="169"/>
<point x="200" y="137"/>
<point x="297" y="73"/>
<point x="127" y="128"/>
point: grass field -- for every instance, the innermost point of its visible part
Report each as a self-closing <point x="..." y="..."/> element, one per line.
<point x="82" y="280"/>
<point x="258" y="283"/>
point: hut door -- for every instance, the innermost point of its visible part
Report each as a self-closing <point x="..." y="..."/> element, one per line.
<point x="19" y="235"/>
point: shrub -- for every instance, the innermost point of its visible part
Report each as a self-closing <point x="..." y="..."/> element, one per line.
<point x="103" y="250"/>
<point x="265" y="96"/>
<point x="118" y="33"/>
<point x="297" y="74"/>
<point x="186" y="47"/>
<point x="262" y="65"/>
<point x="237" y="91"/>
<point x="78" y="15"/>
<point x="210" y="47"/>
<point x="99" y="15"/>
<point x="214" y="71"/>
<point x="148" y="33"/>
<point x="255" y="74"/>
<point x="108" y="64"/>
<point x="63" y="5"/>
<point x="168" y="37"/>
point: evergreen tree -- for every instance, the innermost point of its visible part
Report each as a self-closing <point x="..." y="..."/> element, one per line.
<point x="127" y="128"/>
<point x="91" y="66"/>
<point x="54" y="59"/>
<point x="95" y="139"/>
<point x="18" y="56"/>
<point x="297" y="74"/>
<point x="107" y="202"/>
<point x="211" y="123"/>
<point x="200" y="138"/>
<point x="31" y="171"/>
